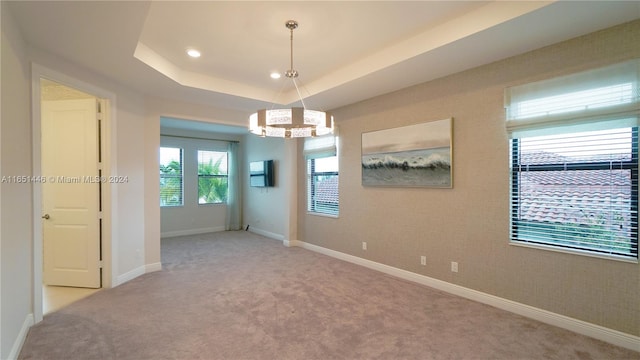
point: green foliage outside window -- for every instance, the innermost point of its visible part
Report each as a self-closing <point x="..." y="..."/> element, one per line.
<point x="212" y="177"/>
<point x="171" y="177"/>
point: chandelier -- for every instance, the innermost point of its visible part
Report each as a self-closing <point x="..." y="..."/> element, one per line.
<point x="295" y="121"/>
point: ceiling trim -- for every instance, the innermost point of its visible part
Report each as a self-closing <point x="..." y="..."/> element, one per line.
<point x="460" y="27"/>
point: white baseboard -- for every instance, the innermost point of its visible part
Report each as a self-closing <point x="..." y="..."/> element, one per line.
<point x="290" y="243"/>
<point x="148" y="268"/>
<point x="581" y="327"/>
<point x="168" y="234"/>
<point x="130" y="275"/>
<point x="267" y="234"/>
<point x="140" y="270"/>
<point x="22" y="335"/>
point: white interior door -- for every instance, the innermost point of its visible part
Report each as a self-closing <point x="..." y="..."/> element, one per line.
<point x="71" y="193"/>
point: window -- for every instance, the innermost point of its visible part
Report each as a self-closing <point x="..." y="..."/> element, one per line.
<point x="574" y="162"/>
<point x="578" y="191"/>
<point x="322" y="175"/>
<point x="322" y="185"/>
<point x="212" y="177"/>
<point x="171" y="191"/>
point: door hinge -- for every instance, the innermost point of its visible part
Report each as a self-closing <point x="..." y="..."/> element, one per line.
<point x="99" y="109"/>
<point x="99" y="214"/>
<point x="101" y="263"/>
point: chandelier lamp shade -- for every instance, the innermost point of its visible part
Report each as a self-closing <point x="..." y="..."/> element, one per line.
<point x="291" y="122"/>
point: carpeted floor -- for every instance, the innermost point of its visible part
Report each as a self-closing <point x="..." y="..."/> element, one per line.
<point x="237" y="295"/>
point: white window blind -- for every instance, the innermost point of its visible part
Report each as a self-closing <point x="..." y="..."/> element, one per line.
<point x="322" y="185"/>
<point x="610" y="94"/>
<point x="577" y="191"/>
<point x="574" y="161"/>
<point x="321" y="146"/>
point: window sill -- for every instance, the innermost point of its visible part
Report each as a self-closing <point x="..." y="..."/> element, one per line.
<point x="573" y="252"/>
<point x="323" y="215"/>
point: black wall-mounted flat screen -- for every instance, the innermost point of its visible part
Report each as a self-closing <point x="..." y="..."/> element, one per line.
<point x="261" y="173"/>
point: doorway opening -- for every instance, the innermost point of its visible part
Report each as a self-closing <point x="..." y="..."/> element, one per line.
<point x="70" y="166"/>
<point x="64" y="221"/>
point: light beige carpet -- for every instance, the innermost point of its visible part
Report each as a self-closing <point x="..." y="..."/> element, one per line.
<point x="237" y="295"/>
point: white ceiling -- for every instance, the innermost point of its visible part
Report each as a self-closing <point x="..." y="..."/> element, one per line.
<point x="345" y="51"/>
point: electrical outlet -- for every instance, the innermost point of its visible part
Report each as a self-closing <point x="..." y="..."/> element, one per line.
<point x="454" y="266"/>
<point x="364" y="245"/>
<point x="423" y="260"/>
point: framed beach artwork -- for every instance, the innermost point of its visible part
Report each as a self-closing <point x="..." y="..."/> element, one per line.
<point x="410" y="156"/>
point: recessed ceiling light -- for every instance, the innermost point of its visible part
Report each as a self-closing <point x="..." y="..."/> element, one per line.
<point x="275" y="75"/>
<point x="193" y="53"/>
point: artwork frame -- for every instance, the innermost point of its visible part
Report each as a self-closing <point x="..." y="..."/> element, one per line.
<point x="419" y="155"/>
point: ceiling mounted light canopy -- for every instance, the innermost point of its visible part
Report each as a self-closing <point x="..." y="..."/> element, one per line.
<point x="291" y="122"/>
<point x="193" y="53"/>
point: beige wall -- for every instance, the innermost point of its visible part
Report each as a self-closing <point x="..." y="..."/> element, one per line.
<point x="470" y="222"/>
<point x="265" y="210"/>
<point x="16" y="221"/>
<point x="151" y="189"/>
<point x="131" y="217"/>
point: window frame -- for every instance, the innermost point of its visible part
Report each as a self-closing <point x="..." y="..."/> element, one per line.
<point x="517" y="169"/>
<point x="174" y="176"/>
<point x="213" y="176"/>
<point x="312" y="207"/>
<point x="596" y="99"/>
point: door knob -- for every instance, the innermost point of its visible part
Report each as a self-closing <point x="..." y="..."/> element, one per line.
<point x="46" y="216"/>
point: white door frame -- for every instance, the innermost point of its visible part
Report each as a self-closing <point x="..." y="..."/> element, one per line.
<point x="109" y="192"/>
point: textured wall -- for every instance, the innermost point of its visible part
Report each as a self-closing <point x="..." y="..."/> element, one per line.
<point x="470" y="222"/>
